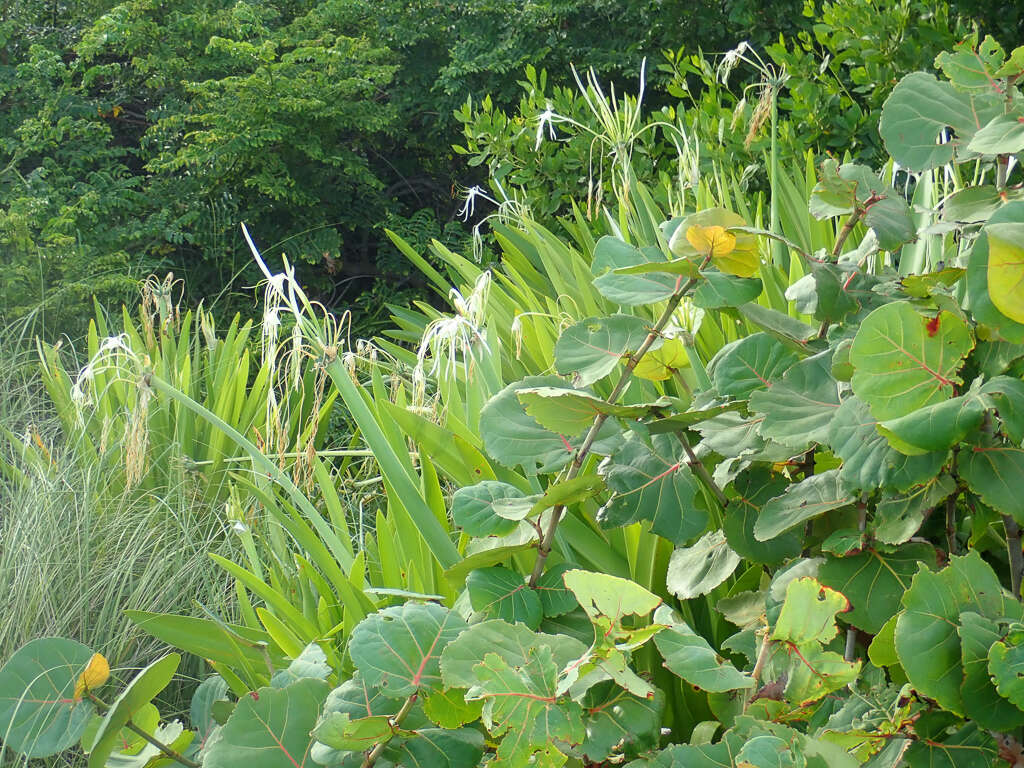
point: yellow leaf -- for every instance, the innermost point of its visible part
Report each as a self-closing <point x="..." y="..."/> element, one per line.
<point x="93" y="676"/>
<point x="1006" y="269"/>
<point x="714" y="241"/>
<point x="660" y="363"/>
<point x="117" y="111"/>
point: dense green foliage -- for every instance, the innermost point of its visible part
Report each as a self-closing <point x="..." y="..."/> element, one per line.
<point x="673" y="488"/>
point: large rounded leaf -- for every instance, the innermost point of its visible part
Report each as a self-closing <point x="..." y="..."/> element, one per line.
<point x="689" y="655"/>
<point x="875" y="581"/>
<point x="904" y="361"/>
<point x="709" y="233"/>
<point x="270" y="728"/>
<point x="982" y="703"/>
<point x="501" y="593"/>
<point x="697" y="570"/>
<point x="979" y="292"/>
<point x="592" y="348"/>
<point x="798" y="410"/>
<point x="651" y="482"/>
<point x="995" y="471"/>
<point x="399" y="648"/>
<point x="616" y="720"/>
<point x="39" y="714"/>
<point x="510" y="641"/>
<point x="1006" y="268"/>
<point x="927" y="641"/>
<point x="612" y="254"/>
<point x="748" y="364"/>
<point x="753" y="489"/>
<point x="802" y="501"/>
<point x="513" y="437"/>
<point x="473" y="508"/>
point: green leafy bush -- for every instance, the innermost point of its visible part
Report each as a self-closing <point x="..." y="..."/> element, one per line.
<point x="805" y="550"/>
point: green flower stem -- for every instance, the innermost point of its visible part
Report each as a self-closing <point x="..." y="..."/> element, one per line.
<point x="396" y="721"/>
<point x="167" y="750"/>
<point x="1013" y="549"/>
<point x="544" y="549"/>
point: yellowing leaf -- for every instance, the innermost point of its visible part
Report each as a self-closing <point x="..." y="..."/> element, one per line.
<point x="93" y="676"/>
<point x="658" y="364"/>
<point x="1006" y="269"/>
<point x="714" y="240"/>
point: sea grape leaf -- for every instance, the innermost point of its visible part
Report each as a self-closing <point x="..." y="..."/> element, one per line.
<point x="689" y="656"/>
<point x="982" y="703"/>
<point x="570" y="411"/>
<point x="875" y="581"/>
<point x="809" y="613"/>
<point x="920" y="109"/>
<point x="968" y="747"/>
<point x="555" y="597"/>
<point x="1006" y="394"/>
<point x="270" y="728"/>
<point x="799" y="408"/>
<point x="935" y="427"/>
<point x="592" y="348"/>
<point x="449" y="708"/>
<point x="473" y="508"/>
<point x="501" y="593"/>
<point x="442" y="748"/>
<point x="513" y="437"/>
<point x="697" y="570"/>
<point x="868" y="460"/>
<point x="995" y="471"/>
<point x="345" y="733"/>
<point x="616" y="720"/>
<point x="904" y="361"/>
<point x="748" y="364"/>
<point x="717" y="290"/>
<point x="521" y="704"/>
<point x="1002" y="135"/>
<point x="1006" y="266"/>
<point x="926" y="637"/>
<point x="971" y="66"/>
<point x="833" y="195"/>
<point x="825" y="293"/>
<point x="795" y="334"/>
<point x="923" y="286"/>
<point x="510" y="641"/>
<point x="814" y="672"/>
<point x="1006" y="665"/>
<point x="897" y="518"/>
<point x="604" y="596"/>
<point x="802" y="501"/>
<point x="138" y="693"/>
<point x="312" y="662"/>
<point x="979" y="295"/>
<point x="398" y="649"/>
<point x="751" y="491"/>
<point x="650" y="481"/>
<point x="612" y="254"/>
<point x="39" y="713"/>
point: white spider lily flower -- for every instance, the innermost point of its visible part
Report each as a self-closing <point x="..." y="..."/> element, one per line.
<point x="545" y="119"/>
<point x="447" y="336"/>
<point x="469" y="205"/>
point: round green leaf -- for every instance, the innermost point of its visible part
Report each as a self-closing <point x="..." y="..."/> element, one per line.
<point x="473" y="508"/>
<point x="270" y="728"/>
<point x="501" y="593"/>
<point x="904" y="361"/>
<point x="38" y="712"/>
<point x="616" y="720"/>
<point x="399" y="648"/>
<point x="982" y="703"/>
<point x="699" y="569"/>
<point x="798" y="409"/>
<point x="802" y="501"/>
<point x="689" y="656"/>
<point x="555" y="598"/>
<point x="513" y="437"/>
<point x="995" y="471"/>
<point x="752" y="490"/>
<point x="1006" y="666"/>
<point x="1006" y="267"/>
<point x="748" y="364"/>
<point x="979" y="294"/>
<point x="612" y="254"/>
<point x="651" y="482"/>
<point x="442" y="748"/>
<point x="875" y="581"/>
<point x="592" y="348"/>
<point x="717" y="290"/>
